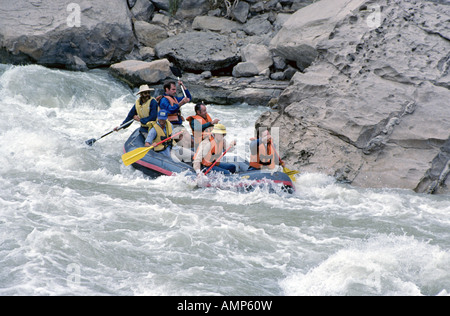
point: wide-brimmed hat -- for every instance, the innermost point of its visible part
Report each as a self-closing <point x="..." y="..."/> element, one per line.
<point x="219" y="129"/>
<point x="145" y="88"/>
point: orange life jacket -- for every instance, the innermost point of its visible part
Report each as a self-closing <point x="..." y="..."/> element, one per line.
<point x="265" y="156"/>
<point x="199" y="136"/>
<point x="176" y="116"/>
<point x="214" y="153"/>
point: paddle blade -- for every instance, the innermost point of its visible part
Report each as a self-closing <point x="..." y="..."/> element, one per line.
<point x="176" y="72"/>
<point x="290" y="173"/>
<point x="135" y="155"/>
<point x="91" y="142"/>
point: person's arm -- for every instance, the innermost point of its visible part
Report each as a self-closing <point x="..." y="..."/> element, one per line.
<point x="150" y="138"/>
<point x="202" y="150"/>
<point x="131" y="116"/>
<point x="188" y="95"/>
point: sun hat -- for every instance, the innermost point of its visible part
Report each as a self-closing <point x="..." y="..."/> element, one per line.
<point x="163" y="115"/>
<point x="145" y="88"/>
<point x="219" y="129"/>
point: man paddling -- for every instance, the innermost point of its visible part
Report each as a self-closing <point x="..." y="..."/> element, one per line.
<point x="144" y="111"/>
<point x="172" y="104"/>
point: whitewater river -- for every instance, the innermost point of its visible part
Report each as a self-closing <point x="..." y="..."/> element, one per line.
<point x="75" y="221"/>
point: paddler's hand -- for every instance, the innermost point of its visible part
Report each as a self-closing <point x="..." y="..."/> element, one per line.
<point x="184" y="101"/>
<point x="137" y="118"/>
<point x="216" y="121"/>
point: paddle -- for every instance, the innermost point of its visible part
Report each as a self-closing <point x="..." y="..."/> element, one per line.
<point x="177" y="73"/>
<point x="91" y="142"/>
<point x="139" y="153"/>
<point x="217" y="161"/>
<point x="290" y="173"/>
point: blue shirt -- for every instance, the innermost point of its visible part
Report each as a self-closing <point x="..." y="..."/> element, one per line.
<point x="164" y="104"/>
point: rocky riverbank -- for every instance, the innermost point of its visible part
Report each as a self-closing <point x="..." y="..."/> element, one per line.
<point x="361" y="86"/>
<point x="222" y="46"/>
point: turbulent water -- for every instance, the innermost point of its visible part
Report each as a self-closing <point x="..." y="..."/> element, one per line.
<point x="75" y="221"/>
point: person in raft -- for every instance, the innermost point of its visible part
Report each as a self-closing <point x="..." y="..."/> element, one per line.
<point x="161" y="130"/>
<point x="144" y="111"/>
<point x="210" y="149"/>
<point x="201" y="124"/>
<point x="172" y="104"/>
<point x="262" y="152"/>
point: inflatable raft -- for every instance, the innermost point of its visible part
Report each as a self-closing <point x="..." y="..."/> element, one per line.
<point x="155" y="165"/>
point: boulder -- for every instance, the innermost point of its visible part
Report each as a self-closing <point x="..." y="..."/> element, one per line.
<point x="259" y="55"/>
<point x="64" y="33"/>
<point x="149" y="34"/>
<point x="142" y="10"/>
<point x="216" y="24"/>
<point x="136" y="72"/>
<point x="199" y="51"/>
<point x="240" y="12"/>
<point x="189" y="9"/>
<point x="371" y="110"/>
<point x="245" y="69"/>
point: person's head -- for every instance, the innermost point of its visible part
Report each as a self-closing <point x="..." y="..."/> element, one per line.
<point x="184" y="137"/>
<point x="200" y="109"/>
<point x="170" y="88"/>
<point x="162" y="117"/>
<point x="219" y="131"/>
<point x="144" y="93"/>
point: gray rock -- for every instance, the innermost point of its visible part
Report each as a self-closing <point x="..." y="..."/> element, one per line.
<point x="149" y="34"/>
<point x="245" y="69"/>
<point x="161" y="4"/>
<point x="211" y="23"/>
<point x="230" y="90"/>
<point x="258" y="25"/>
<point x="143" y="10"/>
<point x="53" y="33"/>
<point x="259" y="55"/>
<point x="372" y="109"/>
<point x="136" y="72"/>
<point x="304" y="31"/>
<point x="199" y="51"/>
<point x="240" y="12"/>
<point x="189" y="9"/>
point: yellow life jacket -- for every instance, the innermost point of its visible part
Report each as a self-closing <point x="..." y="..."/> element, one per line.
<point x="160" y="136"/>
<point x="143" y="110"/>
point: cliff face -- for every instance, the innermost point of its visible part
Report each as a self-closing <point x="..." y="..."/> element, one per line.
<point x="373" y="105"/>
